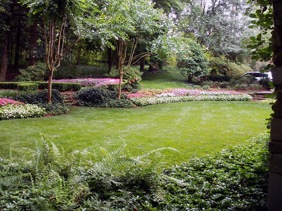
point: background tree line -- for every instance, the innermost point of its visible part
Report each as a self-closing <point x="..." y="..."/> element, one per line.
<point x="124" y="33"/>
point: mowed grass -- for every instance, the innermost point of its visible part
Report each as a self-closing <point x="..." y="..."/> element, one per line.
<point x="194" y="129"/>
<point x="170" y="78"/>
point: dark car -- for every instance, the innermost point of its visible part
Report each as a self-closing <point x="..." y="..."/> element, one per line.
<point x="258" y="76"/>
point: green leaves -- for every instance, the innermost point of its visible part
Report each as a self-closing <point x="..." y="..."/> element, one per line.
<point x="263" y="20"/>
<point x="234" y="179"/>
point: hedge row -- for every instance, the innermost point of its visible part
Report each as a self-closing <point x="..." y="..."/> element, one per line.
<point x="32" y="86"/>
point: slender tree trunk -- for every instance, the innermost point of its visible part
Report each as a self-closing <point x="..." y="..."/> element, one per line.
<point x="110" y="60"/>
<point x="50" y="79"/>
<point x="33" y="44"/>
<point x="142" y="65"/>
<point x="120" y="65"/>
<point x="190" y="77"/>
<point x="78" y="55"/>
<point x="18" y="43"/>
<point x="4" y="57"/>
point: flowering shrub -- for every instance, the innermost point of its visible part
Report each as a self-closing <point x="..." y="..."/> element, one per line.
<point x="218" y="97"/>
<point x="93" y="82"/>
<point x="100" y="97"/>
<point x="6" y="101"/>
<point x="20" y="111"/>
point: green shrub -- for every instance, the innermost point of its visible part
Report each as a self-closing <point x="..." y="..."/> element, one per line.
<point x="132" y="78"/>
<point x="122" y="103"/>
<point x="62" y="87"/>
<point x="98" y="96"/>
<point x="144" y="101"/>
<point x="222" y="66"/>
<point x="56" y="108"/>
<point x="39" y="97"/>
<point x="33" y="73"/>
<point x="8" y="93"/>
<point x="235" y="179"/>
<point x="192" y="62"/>
<point x="8" y="85"/>
<point x="71" y="71"/>
<point x="20" y="111"/>
<point x="27" y="87"/>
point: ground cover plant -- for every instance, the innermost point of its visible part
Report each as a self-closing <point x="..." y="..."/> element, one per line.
<point x="194" y="128"/>
<point x="234" y="179"/>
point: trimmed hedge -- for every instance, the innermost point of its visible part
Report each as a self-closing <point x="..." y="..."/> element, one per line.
<point x="144" y="101"/>
<point x="31" y="86"/>
<point x="9" y="85"/>
<point x="40" y="97"/>
<point x="27" y="87"/>
<point x="62" y="87"/>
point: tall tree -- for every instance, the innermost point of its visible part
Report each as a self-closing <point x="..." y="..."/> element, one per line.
<point x="56" y="17"/>
<point x="218" y="24"/>
<point x="125" y="24"/>
<point x="5" y="25"/>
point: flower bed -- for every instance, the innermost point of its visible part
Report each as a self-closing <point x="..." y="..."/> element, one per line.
<point x="7" y="101"/>
<point x="93" y="82"/>
<point x="153" y="97"/>
<point x="11" y="111"/>
<point x="143" y="101"/>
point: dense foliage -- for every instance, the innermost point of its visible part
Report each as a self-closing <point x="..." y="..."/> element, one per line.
<point x="235" y="179"/>
<point x="101" y="97"/>
<point x="144" y="101"/>
<point x="12" y="111"/>
<point x="53" y="180"/>
<point x="191" y="61"/>
<point x="40" y="97"/>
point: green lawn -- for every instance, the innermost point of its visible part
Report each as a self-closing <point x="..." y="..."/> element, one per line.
<point x="193" y="128"/>
<point x="170" y="78"/>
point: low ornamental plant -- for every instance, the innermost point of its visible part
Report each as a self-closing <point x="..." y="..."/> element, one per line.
<point x="90" y="82"/>
<point x="235" y="179"/>
<point x="101" y="97"/>
<point x="11" y="111"/>
<point x="169" y="98"/>
<point x="7" y="101"/>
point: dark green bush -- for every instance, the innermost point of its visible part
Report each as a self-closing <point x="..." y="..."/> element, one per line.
<point x="27" y="87"/>
<point x="98" y="96"/>
<point x="33" y="73"/>
<point x="40" y="97"/>
<point x="62" y="87"/>
<point x="70" y="71"/>
<point x="8" y="93"/>
<point x="8" y="85"/>
<point x="235" y="179"/>
<point x="56" y="108"/>
<point x="122" y="103"/>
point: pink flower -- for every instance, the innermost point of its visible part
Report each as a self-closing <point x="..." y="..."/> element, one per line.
<point x="5" y="101"/>
<point x="91" y="81"/>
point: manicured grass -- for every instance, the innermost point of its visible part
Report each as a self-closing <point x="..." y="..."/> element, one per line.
<point x="193" y="128"/>
<point x="170" y="78"/>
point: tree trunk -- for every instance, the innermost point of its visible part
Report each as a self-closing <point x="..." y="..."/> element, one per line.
<point x="4" y="57"/>
<point x="142" y="65"/>
<point x="189" y="79"/>
<point x="33" y="44"/>
<point x="110" y="60"/>
<point x="78" y="57"/>
<point x="275" y="145"/>
<point x="121" y="58"/>
<point x="18" y="43"/>
<point x="50" y="79"/>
